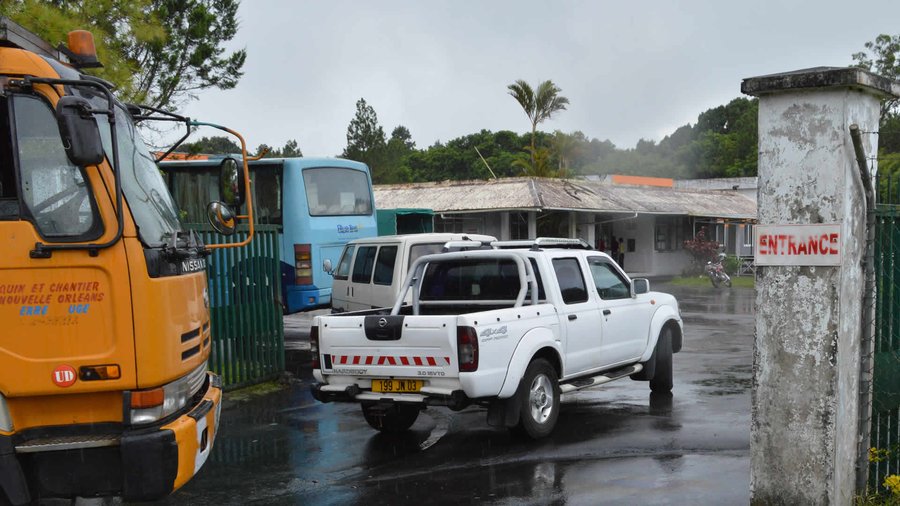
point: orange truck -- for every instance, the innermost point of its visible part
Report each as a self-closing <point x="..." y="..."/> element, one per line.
<point x="104" y="317"/>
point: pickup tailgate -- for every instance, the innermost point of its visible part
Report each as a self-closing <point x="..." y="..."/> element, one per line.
<point x="358" y="349"/>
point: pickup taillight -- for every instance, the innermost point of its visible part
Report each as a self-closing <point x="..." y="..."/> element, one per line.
<point x="467" y="349"/>
<point x="314" y="346"/>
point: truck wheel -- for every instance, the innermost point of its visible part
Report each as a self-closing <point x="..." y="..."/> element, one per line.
<point x="392" y="419"/>
<point x="662" y="377"/>
<point x="539" y="396"/>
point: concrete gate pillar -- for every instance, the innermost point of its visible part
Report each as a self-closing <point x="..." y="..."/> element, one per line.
<point x="809" y="247"/>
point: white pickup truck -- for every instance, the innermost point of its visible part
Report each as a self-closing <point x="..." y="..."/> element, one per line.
<point x="510" y="328"/>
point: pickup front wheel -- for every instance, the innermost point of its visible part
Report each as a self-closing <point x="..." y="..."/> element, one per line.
<point x="392" y="418"/>
<point x="662" y="376"/>
<point x="539" y="396"/>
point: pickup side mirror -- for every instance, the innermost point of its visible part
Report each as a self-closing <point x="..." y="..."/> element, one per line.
<point x="79" y="131"/>
<point x="231" y="182"/>
<point x="327" y="267"/>
<point x="640" y="285"/>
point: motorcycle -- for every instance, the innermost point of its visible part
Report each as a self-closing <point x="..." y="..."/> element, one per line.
<point x="716" y="272"/>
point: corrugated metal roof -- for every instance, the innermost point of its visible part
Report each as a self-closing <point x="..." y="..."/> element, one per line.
<point x="563" y="194"/>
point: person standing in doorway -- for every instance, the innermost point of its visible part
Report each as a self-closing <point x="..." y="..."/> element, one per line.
<point x="621" y="256"/>
<point x="614" y="249"/>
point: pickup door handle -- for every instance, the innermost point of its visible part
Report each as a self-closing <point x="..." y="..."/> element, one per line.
<point x="606" y="312"/>
<point x="573" y="317"/>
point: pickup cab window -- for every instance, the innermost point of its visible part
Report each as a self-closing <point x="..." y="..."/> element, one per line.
<point x="487" y="279"/>
<point x="571" y="282"/>
<point x="609" y="283"/>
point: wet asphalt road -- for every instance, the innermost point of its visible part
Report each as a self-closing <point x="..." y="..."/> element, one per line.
<point x="615" y="444"/>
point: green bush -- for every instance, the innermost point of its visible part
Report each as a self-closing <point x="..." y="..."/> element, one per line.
<point x="732" y="264"/>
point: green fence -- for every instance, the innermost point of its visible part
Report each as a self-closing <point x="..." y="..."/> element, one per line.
<point x="885" y="428"/>
<point x="245" y="306"/>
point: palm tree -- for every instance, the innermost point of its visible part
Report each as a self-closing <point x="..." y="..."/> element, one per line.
<point x="538" y="105"/>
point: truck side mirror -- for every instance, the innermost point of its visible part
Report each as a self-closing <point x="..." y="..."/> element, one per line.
<point x="640" y="285"/>
<point x="231" y="182"/>
<point x="327" y="267"/>
<point x="79" y="131"/>
<point x="221" y="217"/>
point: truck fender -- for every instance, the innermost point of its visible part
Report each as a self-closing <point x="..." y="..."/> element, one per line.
<point x="662" y="316"/>
<point x="533" y="342"/>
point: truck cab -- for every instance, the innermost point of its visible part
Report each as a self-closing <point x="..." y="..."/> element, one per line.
<point x="104" y="387"/>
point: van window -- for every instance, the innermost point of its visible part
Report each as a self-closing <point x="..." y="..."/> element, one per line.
<point x="384" y="266"/>
<point x="420" y="250"/>
<point x="362" y="268"/>
<point x="571" y="282"/>
<point x="343" y="268"/>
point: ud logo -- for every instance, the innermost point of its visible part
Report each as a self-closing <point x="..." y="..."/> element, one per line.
<point x="382" y="322"/>
<point x="64" y="376"/>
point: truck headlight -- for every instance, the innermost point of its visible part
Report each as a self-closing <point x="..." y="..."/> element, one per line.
<point x="148" y="406"/>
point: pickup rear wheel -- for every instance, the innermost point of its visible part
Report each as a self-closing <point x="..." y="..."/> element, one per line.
<point x="392" y="419"/>
<point x="662" y="376"/>
<point x="539" y="396"/>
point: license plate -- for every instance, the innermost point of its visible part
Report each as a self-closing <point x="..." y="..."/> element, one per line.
<point x="394" y="385"/>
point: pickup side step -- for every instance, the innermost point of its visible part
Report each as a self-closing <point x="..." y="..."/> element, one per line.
<point x="606" y="377"/>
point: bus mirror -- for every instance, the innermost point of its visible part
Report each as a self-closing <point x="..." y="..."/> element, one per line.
<point x="221" y="217"/>
<point x="327" y="267"/>
<point x="231" y="182"/>
<point x="79" y="131"/>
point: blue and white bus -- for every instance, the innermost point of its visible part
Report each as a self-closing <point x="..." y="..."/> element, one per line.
<point x="318" y="204"/>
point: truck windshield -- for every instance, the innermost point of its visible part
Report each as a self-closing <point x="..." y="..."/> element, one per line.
<point x="143" y="186"/>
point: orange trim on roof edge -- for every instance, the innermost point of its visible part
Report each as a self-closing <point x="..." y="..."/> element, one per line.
<point x="663" y="182"/>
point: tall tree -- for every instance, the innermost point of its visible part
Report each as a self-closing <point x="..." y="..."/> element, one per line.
<point x="538" y="104"/>
<point x="365" y="138"/>
<point x="211" y="145"/>
<point x="882" y="56"/>
<point x="158" y="52"/>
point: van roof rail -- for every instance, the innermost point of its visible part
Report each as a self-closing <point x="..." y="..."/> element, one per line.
<point x="542" y="243"/>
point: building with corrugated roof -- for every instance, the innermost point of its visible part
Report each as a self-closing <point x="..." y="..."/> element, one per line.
<point x="652" y="216"/>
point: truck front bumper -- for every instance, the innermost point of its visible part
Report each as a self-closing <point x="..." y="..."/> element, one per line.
<point x="102" y="460"/>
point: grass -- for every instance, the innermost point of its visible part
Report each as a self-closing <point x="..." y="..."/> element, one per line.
<point x="737" y="281"/>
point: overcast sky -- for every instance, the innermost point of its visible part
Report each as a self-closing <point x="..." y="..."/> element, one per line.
<point x="631" y="70"/>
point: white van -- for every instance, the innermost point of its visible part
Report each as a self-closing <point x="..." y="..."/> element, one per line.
<point x="371" y="270"/>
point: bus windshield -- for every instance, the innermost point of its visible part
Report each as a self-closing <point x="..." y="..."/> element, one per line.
<point x="333" y="191"/>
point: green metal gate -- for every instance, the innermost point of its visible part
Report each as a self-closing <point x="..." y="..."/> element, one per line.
<point x="245" y="306"/>
<point x="885" y="428"/>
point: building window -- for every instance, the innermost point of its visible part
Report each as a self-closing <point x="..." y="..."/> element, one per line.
<point x="748" y="235"/>
<point x="669" y="233"/>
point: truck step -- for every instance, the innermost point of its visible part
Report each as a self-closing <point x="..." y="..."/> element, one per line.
<point x="67" y="443"/>
<point x="606" y="377"/>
